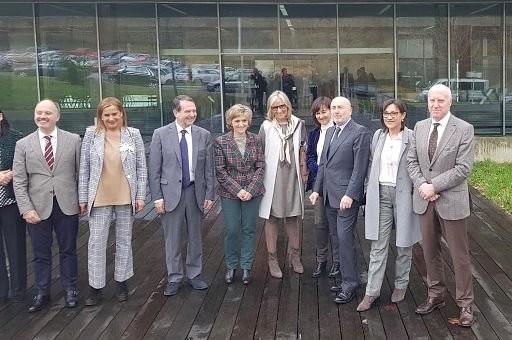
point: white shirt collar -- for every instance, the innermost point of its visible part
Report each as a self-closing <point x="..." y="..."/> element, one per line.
<point x="326" y="126"/>
<point x="444" y="120"/>
<point x="41" y="134"/>
<point x="179" y="128"/>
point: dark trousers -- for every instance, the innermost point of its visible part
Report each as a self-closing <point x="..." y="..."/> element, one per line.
<point x="345" y="222"/>
<point x="41" y="235"/>
<point x="13" y="236"/>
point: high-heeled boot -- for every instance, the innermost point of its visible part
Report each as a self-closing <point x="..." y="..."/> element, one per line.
<point x="294" y="260"/>
<point x="273" y="266"/>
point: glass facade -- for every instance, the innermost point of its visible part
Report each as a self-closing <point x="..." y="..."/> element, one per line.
<point x="147" y="53"/>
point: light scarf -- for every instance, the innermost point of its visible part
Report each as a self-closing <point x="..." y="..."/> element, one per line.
<point x="284" y="150"/>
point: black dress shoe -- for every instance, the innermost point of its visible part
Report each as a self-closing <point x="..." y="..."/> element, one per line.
<point x="95" y="296"/>
<point x="335" y="270"/>
<point x="319" y="270"/>
<point x="71" y="298"/>
<point x="230" y="276"/>
<point x="246" y="277"/>
<point x="336" y="288"/>
<point x="344" y="296"/>
<point x="39" y="302"/>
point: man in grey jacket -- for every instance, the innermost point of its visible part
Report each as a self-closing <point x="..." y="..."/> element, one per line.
<point x="181" y="179"/>
<point x="439" y="163"/>
<point x="45" y="184"/>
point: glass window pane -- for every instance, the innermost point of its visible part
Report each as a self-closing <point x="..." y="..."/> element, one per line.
<point x="68" y="61"/>
<point x="506" y="94"/>
<point x="18" y="93"/>
<point x="422" y="42"/>
<point x="249" y="28"/>
<point x="128" y="61"/>
<point x="189" y="49"/>
<point x="476" y="65"/>
<point x="308" y="28"/>
<point x="366" y="55"/>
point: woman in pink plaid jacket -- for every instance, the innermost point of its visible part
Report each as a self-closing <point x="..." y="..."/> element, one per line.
<point x="240" y="166"/>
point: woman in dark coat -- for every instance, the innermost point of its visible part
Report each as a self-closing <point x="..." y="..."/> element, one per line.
<point x="12" y="226"/>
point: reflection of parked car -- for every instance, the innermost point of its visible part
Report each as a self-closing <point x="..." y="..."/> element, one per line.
<point x="205" y="75"/>
<point x="136" y="75"/>
<point x="237" y="82"/>
<point x="181" y="74"/>
<point x="463" y="89"/>
<point x="142" y="75"/>
<point x="5" y="63"/>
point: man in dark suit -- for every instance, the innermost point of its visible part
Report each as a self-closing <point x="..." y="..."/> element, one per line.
<point x="340" y="180"/>
<point x="181" y="179"/>
<point x="45" y="184"/>
<point x="439" y="163"/>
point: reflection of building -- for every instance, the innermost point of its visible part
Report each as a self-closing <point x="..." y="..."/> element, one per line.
<point x="88" y="50"/>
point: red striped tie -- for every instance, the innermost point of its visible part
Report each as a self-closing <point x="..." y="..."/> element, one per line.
<point x="48" y="152"/>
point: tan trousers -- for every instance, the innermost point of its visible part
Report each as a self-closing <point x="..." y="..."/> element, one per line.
<point x="455" y="234"/>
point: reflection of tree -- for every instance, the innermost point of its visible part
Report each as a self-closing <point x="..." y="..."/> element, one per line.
<point x="461" y="46"/>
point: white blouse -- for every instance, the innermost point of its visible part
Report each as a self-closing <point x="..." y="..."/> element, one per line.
<point x="389" y="159"/>
<point x="321" y="140"/>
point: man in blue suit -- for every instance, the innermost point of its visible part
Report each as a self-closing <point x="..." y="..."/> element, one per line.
<point x="340" y="180"/>
<point x="181" y="179"/>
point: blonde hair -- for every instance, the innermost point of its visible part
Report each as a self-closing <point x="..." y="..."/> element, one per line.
<point x="238" y="110"/>
<point x="106" y="102"/>
<point x="273" y="98"/>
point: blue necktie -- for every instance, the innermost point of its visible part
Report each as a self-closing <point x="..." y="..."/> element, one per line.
<point x="185" y="176"/>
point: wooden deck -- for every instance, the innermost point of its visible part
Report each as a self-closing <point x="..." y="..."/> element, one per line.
<point x="296" y="307"/>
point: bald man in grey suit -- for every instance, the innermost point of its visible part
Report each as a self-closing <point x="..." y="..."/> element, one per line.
<point x="182" y="190"/>
<point x="46" y="190"/>
<point x="439" y="163"/>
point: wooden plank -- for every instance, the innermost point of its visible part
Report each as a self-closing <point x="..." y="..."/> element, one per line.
<point x="269" y="307"/>
<point x="370" y="320"/>
<point x="144" y="231"/>
<point x="238" y="314"/>
<point x="411" y="321"/>
<point x="308" y="326"/>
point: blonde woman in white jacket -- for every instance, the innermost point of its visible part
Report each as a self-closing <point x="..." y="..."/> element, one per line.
<point x="283" y="135"/>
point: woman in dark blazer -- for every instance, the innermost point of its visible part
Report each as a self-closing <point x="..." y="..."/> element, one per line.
<point x="321" y="114"/>
<point x="240" y="166"/>
<point x="12" y="226"/>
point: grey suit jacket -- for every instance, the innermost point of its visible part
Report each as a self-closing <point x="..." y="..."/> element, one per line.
<point x="133" y="159"/>
<point x="35" y="184"/>
<point x="343" y="172"/>
<point x="164" y="166"/>
<point x="449" y="169"/>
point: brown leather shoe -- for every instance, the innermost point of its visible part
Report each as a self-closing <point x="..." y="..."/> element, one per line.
<point x="429" y="305"/>
<point x="466" y="318"/>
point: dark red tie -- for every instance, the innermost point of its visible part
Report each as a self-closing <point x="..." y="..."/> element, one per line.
<point x="432" y="141"/>
<point x="48" y="152"/>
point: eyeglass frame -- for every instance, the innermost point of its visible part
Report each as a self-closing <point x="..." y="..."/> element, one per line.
<point x="276" y="108"/>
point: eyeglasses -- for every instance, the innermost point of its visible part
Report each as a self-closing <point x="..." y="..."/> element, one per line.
<point x="282" y="107"/>
<point x="392" y="114"/>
